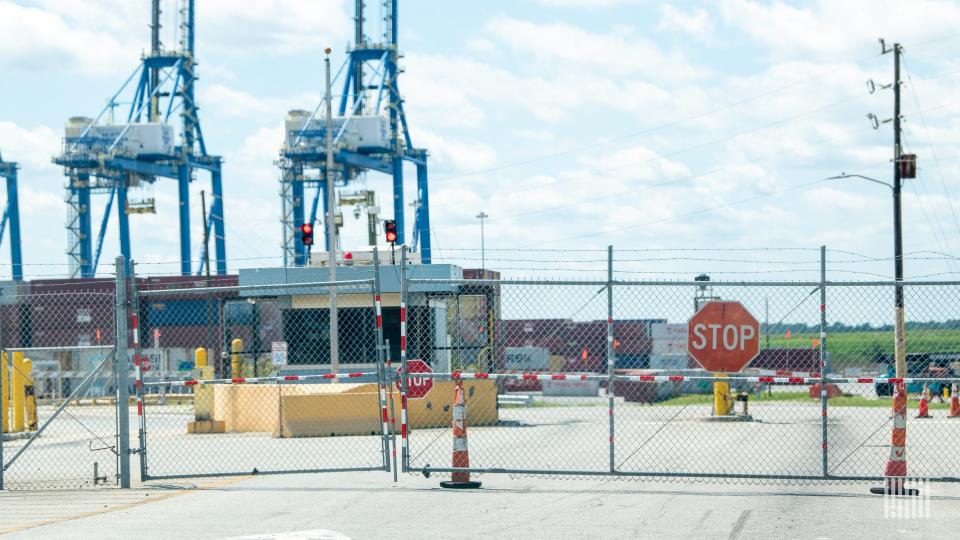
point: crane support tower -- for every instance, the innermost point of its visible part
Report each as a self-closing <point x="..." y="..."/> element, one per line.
<point x="11" y="218"/>
<point x="101" y="156"/>
<point x="370" y="134"/>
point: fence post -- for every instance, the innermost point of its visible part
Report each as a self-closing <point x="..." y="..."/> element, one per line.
<point x="823" y="358"/>
<point x="120" y="368"/>
<point x="611" y="354"/>
<point x="404" y="428"/>
<point x="138" y="367"/>
<point x="381" y="371"/>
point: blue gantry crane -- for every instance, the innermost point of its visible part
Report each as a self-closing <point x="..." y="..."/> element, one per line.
<point x="371" y="134"/>
<point x="11" y="218"/>
<point x="104" y="157"/>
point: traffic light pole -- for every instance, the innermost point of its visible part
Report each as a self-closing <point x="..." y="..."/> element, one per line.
<point x="331" y="227"/>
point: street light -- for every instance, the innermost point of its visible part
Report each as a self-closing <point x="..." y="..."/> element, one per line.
<point x="483" y="260"/>
<point x="900" y="360"/>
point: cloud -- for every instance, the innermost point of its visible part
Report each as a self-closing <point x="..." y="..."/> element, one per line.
<point x="230" y="102"/>
<point x="619" y="50"/>
<point x="590" y="3"/>
<point x="830" y="29"/>
<point x="455" y="154"/>
<point x="267" y="27"/>
<point x="30" y="147"/>
<point x="697" y="23"/>
<point x="35" y="39"/>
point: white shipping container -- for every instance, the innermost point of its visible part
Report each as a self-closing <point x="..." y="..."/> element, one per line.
<point x="669" y="347"/>
<point x="528" y="358"/>
<point x="571" y="388"/>
<point x="669" y="361"/>
<point x="669" y="331"/>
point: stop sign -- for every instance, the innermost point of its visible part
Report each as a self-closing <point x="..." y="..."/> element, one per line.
<point x="417" y="387"/>
<point x="723" y="337"/>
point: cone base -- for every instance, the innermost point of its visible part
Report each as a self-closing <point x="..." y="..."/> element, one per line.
<point x="460" y="485"/>
<point x="893" y="491"/>
<point x="925" y="416"/>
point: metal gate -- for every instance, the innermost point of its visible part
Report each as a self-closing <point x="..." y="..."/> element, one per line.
<point x="255" y="389"/>
<point x="60" y="362"/>
<point x="573" y="381"/>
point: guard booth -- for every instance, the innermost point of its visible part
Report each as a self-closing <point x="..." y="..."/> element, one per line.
<point x="449" y="324"/>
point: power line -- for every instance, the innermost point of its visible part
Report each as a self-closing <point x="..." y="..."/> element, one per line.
<point x="695" y="212"/>
<point x="933" y="152"/>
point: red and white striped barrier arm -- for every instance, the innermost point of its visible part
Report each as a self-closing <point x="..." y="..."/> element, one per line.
<point x="675" y="378"/>
<point x="255" y="380"/>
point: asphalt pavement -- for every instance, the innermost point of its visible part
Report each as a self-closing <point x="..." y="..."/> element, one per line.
<point x="370" y="505"/>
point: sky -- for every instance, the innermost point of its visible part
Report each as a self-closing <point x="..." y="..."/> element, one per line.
<point x="691" y="136"/>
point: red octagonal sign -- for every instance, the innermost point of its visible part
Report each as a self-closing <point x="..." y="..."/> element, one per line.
<point x="417" y="387"/>
<point x="723" y="337"/>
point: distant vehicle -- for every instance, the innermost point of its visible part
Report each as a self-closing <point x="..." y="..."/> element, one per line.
<point x="921" y="365"/>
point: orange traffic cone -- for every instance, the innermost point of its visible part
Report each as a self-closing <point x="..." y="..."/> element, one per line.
<point x="954" y="401"/>
<point x="924" y="409"/>
<point x="895" y="472"/>
<point x="461" y="458"/>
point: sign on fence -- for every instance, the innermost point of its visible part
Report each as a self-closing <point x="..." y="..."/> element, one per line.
<point x="417" y="387"/>
<point x="723" y="337"/>
<point x="278" y="353"/>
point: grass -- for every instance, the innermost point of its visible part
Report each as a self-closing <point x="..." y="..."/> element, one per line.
<point x="859" y="348"/>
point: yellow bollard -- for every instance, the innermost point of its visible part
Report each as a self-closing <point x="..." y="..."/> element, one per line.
<point x="4" y="393"/>
<point x="204" y="371"/>
<point x="236" y="365"/>
<point x="202" y="394"/>
<point x="722" y="404"/>
<point x="29" y="395"/>
<point x="16" y="388"/>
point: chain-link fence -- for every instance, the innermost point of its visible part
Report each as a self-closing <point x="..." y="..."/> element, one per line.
<point x="559" y="377"/>
<point x="59" y="391"/>
<point x="597" y="378"/>
<point x="267" y="390"/>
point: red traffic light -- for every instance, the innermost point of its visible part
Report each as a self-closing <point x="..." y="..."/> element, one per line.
<point x="306" y="234"/>
<point x="390" y="230"/>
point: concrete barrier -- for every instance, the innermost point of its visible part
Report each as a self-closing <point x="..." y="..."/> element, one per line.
<point x="315" y="410"/>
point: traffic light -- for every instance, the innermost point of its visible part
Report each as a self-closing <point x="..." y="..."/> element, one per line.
<point x="390" y="230"/>
<point x="306" y="234"/>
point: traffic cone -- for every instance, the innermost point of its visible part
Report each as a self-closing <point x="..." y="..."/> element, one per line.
<point x="924" y="409"/>
<point x="895" y="471"/>
<point x="954" y="401"/>
<point x="461" y="459"/>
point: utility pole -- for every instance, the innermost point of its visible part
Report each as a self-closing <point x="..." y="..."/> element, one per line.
<point x="331" y="226"/>
<point x="483" y="258"/>
<point x="900" y="356"/>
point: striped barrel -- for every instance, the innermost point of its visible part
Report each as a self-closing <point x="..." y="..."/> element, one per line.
<point x="461" y="458"/>
<point x="896" y="469"/>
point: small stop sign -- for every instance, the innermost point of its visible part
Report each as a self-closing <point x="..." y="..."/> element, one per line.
<point x="417" y="387"/>
<point x="723" y="337"/>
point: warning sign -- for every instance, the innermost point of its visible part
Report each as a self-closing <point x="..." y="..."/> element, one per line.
<point x="278" y="353"/>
